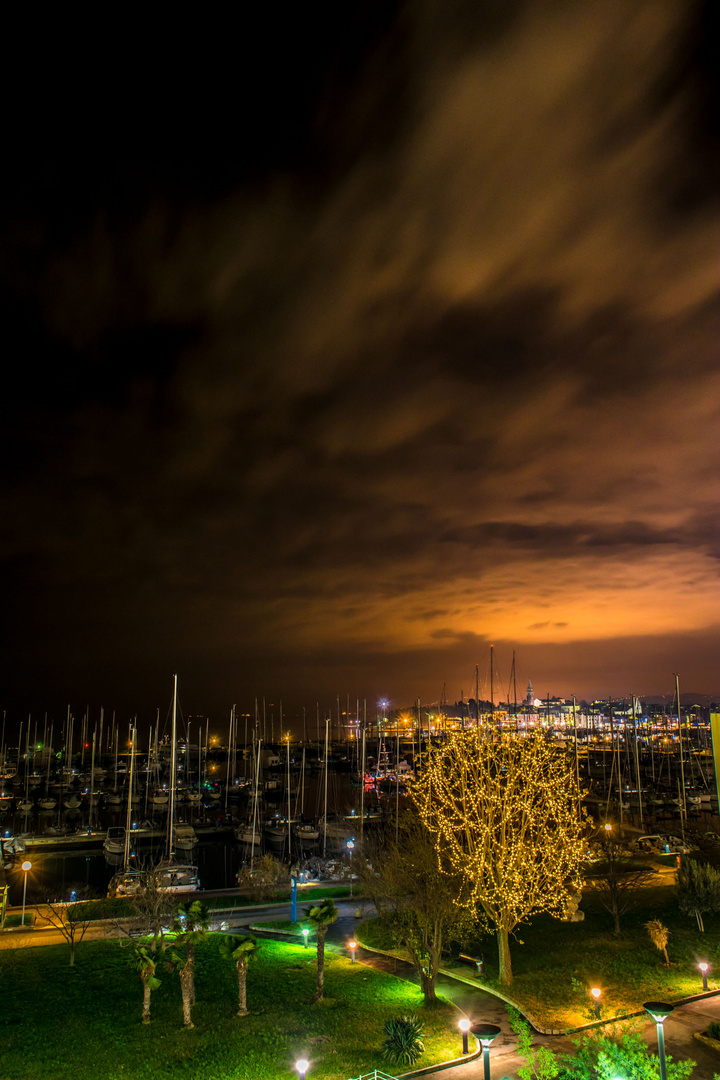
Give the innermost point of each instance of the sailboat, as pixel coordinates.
(174, 876)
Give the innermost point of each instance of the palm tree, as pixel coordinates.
(240, 949)
(191, 925)
(322, 915)
(145, 963)
(659, 936)
(182, 964)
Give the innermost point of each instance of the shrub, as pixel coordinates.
(713, 1029)
(403, 1044)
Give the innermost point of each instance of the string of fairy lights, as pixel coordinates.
(505, 813)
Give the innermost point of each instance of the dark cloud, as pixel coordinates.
(411, 348)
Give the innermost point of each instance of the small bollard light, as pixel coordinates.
(352, 946)
(305, 935)
(704, 969)
(464, 1026)
(302, 1067)
(596, 992)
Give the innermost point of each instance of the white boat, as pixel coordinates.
(160, 798)
(175, 877)
(71, 802)
(185, 837)
(307, 834)
(275, 833)
(247, 835)
(47, 804)
(114, 842)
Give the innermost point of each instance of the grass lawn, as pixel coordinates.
(62, 1023)
(556, 963)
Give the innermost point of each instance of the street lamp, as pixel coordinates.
(704, 968)
(26, 866)
(352, 946)
(486, 1033)
(302, 1067)
(305, 935)
(351, 847)
(659, 1010)
(596, 992)
(464, 1026)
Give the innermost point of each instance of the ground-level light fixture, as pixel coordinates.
(302, 1066)
(659, 1010)
(352, 946)
(305, 935)
(486, 1033)
(704, 969)
(596, 992)
(464, 1026)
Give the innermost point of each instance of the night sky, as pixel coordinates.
(340, 347)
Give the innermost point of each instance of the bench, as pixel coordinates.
(478, 961)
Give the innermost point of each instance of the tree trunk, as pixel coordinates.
(242, 995)
(322, 930)
(146, 997)
(72, 953)
(698, 916)
(616, 917)
(427, 985)
(191, 969)
(186, 990)
(667, 958)
(504, 962)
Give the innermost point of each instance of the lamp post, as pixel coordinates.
(596, 992)
(26, 866)
(486, 1033)
(305, 935)
(352, 946)
(464, 1026)
(704, 969)
(302, 1066)
(351, 847)
(659, 1010)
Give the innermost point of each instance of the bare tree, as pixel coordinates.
(71, 918)
(153, 907)
(618, 878)
(413, 896)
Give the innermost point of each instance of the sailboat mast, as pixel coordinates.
(171, 814)
(128, 820)
(683, 808)
(326, 791)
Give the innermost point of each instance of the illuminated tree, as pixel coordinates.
(504, 811)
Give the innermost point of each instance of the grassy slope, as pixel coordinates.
(629, 969)
(62, 1023)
